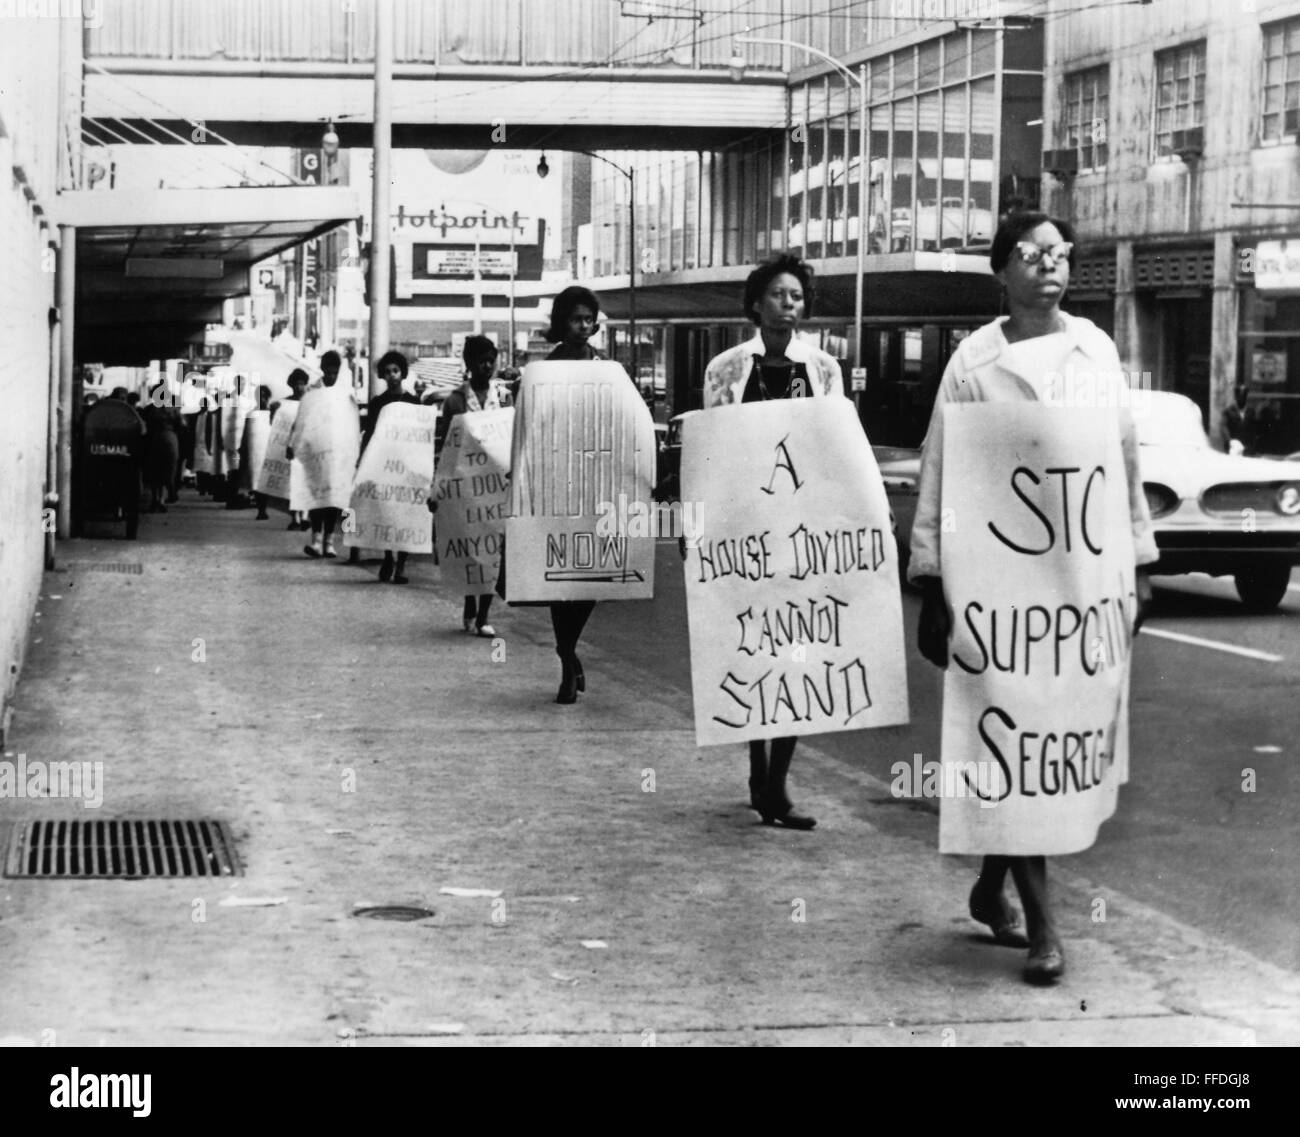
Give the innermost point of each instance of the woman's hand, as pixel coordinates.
(1145, 600)
(935, 625)
(431, 505)
(288, 453)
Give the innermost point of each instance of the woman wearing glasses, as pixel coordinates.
(1015, 359)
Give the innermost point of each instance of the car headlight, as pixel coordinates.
(1288, 499)
(1160, 499)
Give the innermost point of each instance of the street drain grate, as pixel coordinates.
(130, 568)
(393, 912)
(121, 850)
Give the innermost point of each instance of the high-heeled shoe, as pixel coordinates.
(778, 811)
(568, 692)
(578, 675)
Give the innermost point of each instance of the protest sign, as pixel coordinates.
(791, 574)
(1038, 569)
(472, 489)
(583, 444)
(273, 477)
(257, 433)
(326, 439)
(393, 483)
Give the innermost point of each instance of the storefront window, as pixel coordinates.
(1268, 363)
(900, 193)
(928, 206)
(957, 211)
(984, 112)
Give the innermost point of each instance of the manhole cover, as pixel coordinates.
(111, 850)
(393, 912)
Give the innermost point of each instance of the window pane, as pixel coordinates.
(928, 66)
(904, 71)
(956, 55)
(983, 52)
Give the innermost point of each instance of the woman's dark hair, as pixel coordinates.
(332, 357)
(767, 272)
(573, 297)
(476, 346)
(393, 357)
(1015, 225)
(298, 375)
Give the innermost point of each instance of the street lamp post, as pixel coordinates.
(738, 73)
(542, 170)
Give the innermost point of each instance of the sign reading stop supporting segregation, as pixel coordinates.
(1038, 569)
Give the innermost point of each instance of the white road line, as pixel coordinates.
(1215, 645)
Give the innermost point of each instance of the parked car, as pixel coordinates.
(668, 474)
(1213, 512)
(900, 470)
(1218, 513)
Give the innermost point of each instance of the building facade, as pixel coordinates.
(934, 133)
(32, 54)
(1173, 133)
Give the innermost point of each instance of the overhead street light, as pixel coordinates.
(543, 169)
(737, 68)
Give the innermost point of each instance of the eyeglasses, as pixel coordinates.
(1031, 254)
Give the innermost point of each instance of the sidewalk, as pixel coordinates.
(366, 751)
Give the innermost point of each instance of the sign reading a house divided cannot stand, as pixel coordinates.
(791, 575)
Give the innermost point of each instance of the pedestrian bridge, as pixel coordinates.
(560, 75)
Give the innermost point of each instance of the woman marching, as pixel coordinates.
(575, 318)
(480, 392)
(1019, 358)
(775, 364)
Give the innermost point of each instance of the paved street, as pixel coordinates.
(1186, 840)
(365, 751)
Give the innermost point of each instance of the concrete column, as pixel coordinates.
(1126, 315)
(1224, 318)
(67, 287)
(381, 189)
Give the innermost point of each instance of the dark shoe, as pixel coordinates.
(312, 550)
(304, 526)
(386, 570)
(782, 813)
(292, 524)
(1003, 922)
(568, 692)
(398, 578)
(1046, 965)
(263, 516)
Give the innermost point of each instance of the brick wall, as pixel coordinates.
(29, 110)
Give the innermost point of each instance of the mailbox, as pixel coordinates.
(111, 453)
